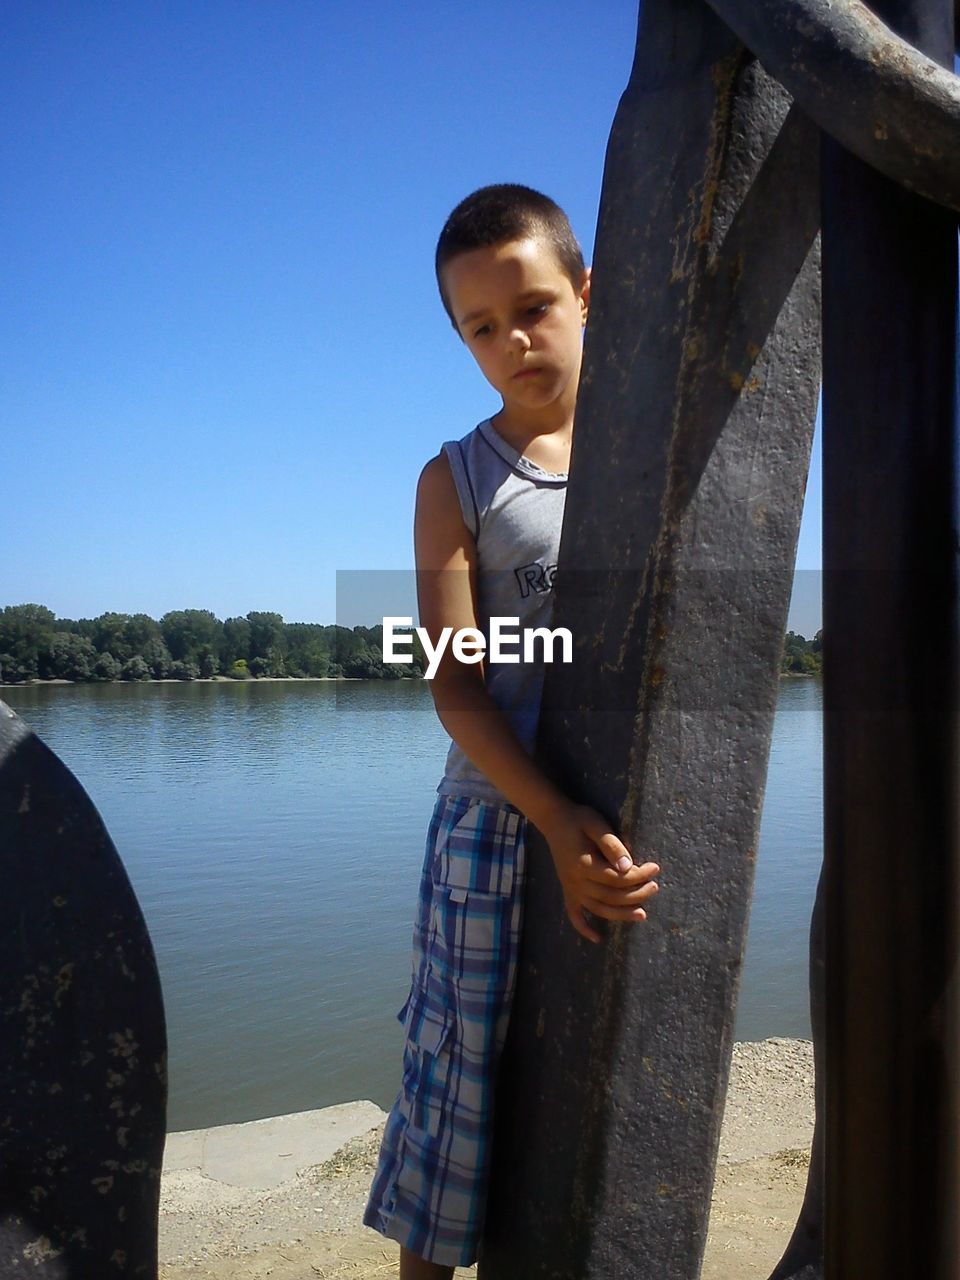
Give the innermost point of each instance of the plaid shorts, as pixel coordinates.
(430, 1189)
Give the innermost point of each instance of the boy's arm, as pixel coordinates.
(595, 869)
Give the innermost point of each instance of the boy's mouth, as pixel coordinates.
(524, 373)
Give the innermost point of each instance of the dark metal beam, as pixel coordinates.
(884, 99)
(803, 1256)
(83, 1083)
(692, 440)
(891, 760)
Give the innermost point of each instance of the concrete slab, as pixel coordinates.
(265, 1153)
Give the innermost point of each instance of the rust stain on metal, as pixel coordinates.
(64, 981)
(40, 1250)
(124, 1044)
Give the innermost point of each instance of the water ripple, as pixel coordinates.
(274, 834)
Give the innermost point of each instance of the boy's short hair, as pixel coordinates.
(507, 211)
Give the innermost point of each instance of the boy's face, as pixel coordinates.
(522, 319)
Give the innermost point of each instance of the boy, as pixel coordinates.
(486, 531)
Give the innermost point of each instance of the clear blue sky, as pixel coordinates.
(224, 360)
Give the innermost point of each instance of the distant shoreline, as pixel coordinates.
(32, 684)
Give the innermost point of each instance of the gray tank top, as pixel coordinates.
(514, 509)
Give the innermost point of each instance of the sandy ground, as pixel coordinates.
(309, 1225)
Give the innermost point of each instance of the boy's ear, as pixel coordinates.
(585, 295)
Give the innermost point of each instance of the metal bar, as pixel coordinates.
(691, 447)
(803, 1257)
(83, 1083)
(892, 1110)
(863, 84)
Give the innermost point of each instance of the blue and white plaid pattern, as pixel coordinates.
(430, 1189)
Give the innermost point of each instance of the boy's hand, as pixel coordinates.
(595, 869)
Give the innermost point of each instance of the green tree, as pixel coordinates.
(207, 662)
(15, 671)
(135, 669)
(85, 627)
(801, 656)
(186, 631)
(140, 631)
(348, 643)
(108, 635)
(266, 634)
(25, 630)
(315, 663)
(158, 658)
(67, 657)
(236, 642)
(106, 667)
(364, 666)
(308, 648)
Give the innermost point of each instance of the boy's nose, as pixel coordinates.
(518, 340)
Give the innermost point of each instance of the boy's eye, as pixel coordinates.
(478, 333)
(536, 311)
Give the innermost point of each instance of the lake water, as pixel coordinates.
(274, 833)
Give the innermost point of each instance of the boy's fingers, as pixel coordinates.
(618, 897)
(606, 912)
(575, 916)
(612, 848)
(603, 874)
(614, 851)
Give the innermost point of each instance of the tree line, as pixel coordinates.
(187, 644)
(193, 644)
(802, 657)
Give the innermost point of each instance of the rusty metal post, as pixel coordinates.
(692, 441)
(892, 1101)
